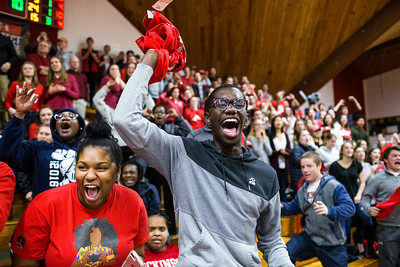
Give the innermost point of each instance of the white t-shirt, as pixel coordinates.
(311, 190)
(280, 144)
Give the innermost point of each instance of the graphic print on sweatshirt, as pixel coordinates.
(62, 167)
(96, 241)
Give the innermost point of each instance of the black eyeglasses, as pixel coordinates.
(72, 116)
(223, 103)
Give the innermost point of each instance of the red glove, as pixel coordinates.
(164, 38)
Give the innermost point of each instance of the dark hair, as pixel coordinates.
(333, 120)
(109, 237)
(358, 143)
(388, 150)
(341, 148)
(329, 136)
(347, 123)
(368, 156)
(160, 213)
(89, 38)
(273, 129)
(210, 98)
(159, 105)
(297, 134)
(140, 170)
(169, 93)
(99, 135)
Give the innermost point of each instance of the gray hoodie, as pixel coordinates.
(381, 186)
(221, 203)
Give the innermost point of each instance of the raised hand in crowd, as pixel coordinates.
(25, 99)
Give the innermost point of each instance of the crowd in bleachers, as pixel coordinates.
(279, 133)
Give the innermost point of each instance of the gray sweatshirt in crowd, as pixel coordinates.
(382, 186)
(221, 203)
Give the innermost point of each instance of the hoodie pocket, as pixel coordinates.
(208, 252)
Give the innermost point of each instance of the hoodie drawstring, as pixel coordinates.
(245, 172)
(223, 173)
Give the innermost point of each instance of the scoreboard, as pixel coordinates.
(47, 12)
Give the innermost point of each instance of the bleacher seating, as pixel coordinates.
(289, 226)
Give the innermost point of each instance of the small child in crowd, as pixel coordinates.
(157, 251)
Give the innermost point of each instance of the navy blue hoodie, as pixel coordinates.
(52, 164)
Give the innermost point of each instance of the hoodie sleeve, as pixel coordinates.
(268, 230)
(13, 151)
(368, 194)
(154, 145)
(99, 101)
(343, 207)
(292, 207)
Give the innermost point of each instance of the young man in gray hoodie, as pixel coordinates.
(382, 186)
(326, 206)
(223, 196)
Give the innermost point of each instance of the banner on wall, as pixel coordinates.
(17, 34)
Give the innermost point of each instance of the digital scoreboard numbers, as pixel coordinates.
(47, 12)
(15, 8)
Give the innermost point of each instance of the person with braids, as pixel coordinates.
(93, 222)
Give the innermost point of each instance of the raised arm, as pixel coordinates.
(12, 150)
(358, 106)
(153, 144)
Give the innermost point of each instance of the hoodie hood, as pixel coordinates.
(80, 133)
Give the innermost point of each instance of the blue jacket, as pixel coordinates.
(149, 194)
(324, 230)
(295, 155)
(52, 164)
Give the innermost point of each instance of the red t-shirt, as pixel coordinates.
(194, 117)
(7, 185)
(168, 257)
(12, 93)
(56, 227)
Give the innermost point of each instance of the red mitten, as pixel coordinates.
(164, 38)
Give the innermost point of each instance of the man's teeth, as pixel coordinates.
(91, 186)
(231, 120)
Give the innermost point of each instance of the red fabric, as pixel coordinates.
(39, 61)
(33, 130)
(81, 80)
(50, 222)
(63, 99)
(114, 94)
(7, 186)
(389, 144)
(386, 207)
(279, 107)
(169, 103)
(187, 81)
(12, 93)
(194, 117)
(164, 37)
(85, 62)
(169, 257)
